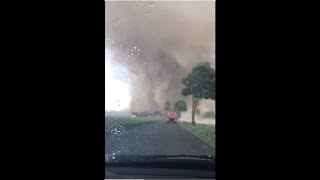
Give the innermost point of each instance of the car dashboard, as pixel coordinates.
(156, 173)
(163, 168)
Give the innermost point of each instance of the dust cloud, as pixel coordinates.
(159, 43)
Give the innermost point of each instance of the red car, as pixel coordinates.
(172, 117)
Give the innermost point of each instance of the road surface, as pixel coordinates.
(156, 138)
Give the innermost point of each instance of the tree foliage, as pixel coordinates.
(200, 83)
(180, 105)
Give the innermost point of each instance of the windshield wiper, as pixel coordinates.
(185, 156)
(154, 157)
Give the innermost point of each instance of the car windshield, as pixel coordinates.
(160, 78)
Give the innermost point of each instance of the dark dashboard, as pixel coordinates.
(160, 167)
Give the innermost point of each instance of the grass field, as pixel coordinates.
(119, 124)
(203, 131)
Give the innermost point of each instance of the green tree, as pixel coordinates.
(200, 83)
(180, 106)
(167, 106)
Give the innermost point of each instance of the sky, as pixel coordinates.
(170, 37)
(117, 85)
(157, 43)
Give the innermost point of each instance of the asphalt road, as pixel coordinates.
(156, 138)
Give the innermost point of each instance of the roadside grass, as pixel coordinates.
(203, 131)
(119, 124)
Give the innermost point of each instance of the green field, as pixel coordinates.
(203, 131)
(119, 124)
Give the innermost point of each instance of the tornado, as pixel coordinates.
(159, 43)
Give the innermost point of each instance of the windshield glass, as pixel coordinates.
(160, 78)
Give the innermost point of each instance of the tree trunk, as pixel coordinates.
(194, 107)
(193, 122)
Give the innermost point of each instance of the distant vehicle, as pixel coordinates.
(172, 117)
